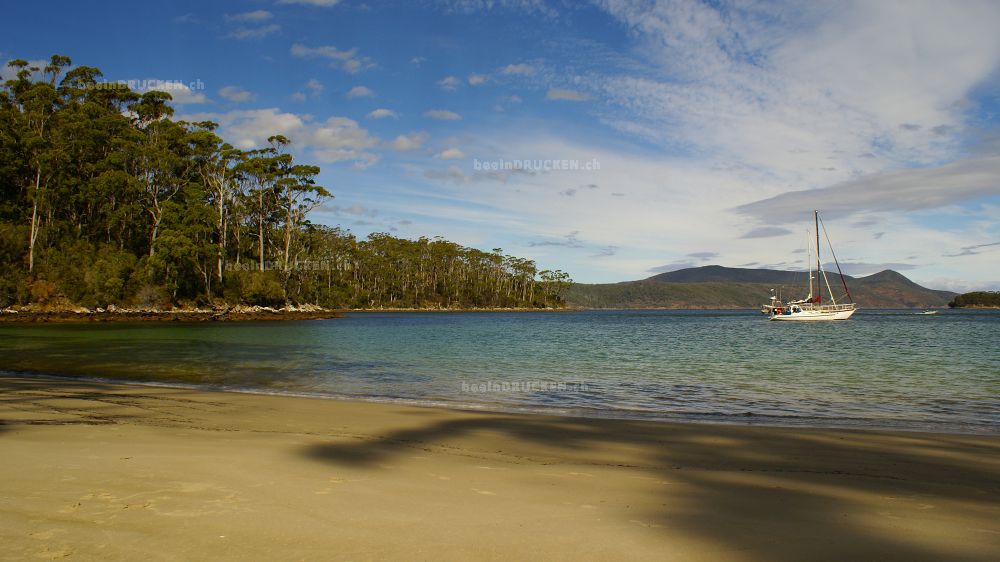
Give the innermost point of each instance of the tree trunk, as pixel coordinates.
(33, 235)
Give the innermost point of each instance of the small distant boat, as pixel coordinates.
(813, 308)
(927, 313)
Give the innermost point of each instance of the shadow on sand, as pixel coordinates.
(749, 485)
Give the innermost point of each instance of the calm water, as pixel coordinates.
(882, 369)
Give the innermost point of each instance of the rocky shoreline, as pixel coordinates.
(238, 313)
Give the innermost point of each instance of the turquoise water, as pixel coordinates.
(885, 369)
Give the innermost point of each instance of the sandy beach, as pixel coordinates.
(116, 472)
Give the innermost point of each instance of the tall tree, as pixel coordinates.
(38, 102)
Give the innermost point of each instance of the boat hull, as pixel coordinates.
(814, 315)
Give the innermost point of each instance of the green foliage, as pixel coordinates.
(263, 289)
(108, 277)
(974, 299)
(106, 200)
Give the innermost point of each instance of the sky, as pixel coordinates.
(612, 139)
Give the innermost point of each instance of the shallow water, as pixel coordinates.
(883, 369)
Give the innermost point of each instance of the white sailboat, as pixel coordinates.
(813, 308)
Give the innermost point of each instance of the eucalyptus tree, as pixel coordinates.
(37, 102)
(262, 169)
(295, 194)
(216, 162)
(161, 162)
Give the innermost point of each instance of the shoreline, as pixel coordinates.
(234, 314)
(110, 471)
(571, 413)
(256, 314)
(229, 313)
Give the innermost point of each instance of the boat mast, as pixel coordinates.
(819, 267)
(809, 264)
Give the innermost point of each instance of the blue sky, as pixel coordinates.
(702, 132)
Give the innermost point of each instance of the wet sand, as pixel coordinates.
(102, 471)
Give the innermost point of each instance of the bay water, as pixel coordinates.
(880, 369)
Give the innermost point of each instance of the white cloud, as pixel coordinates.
(382, 113)
(800, 90)
(449, 83)
(359, 92)
(477, 79)
(356, 209)
(236, 94)
(521, 7)
(255, 16)
(242, 33)
(898, 190)
(455, 175)
(334, 140)
(442, 115)
(319, 3)
(314, 86)
(348, 60)
(518, 69)
(450, 154)
(180, 93)
(8, 73)
(558, 94)
(409, 143)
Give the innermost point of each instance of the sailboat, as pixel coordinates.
(814, 308)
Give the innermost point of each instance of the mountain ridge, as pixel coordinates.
(716, 286)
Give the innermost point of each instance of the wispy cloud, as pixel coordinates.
(318, 3)
(335, 139)
(243, 33)
(899, 190)
(382, 113)
(558, 94)
(450, 154)
(255, 16)
(520, 69)
(410, 142)
(570, 240)
(442, 115)
(236, 94)
(766, 232)
(973, 250)
(314, 86)
(449, 83)
(348, 61)
(359, 92)
(456, 175)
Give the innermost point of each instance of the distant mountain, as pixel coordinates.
(715, 286)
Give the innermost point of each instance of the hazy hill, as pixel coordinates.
(715, 286)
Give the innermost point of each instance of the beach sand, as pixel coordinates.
(103, 471)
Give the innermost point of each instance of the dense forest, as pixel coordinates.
(977, 299)
(106, 200)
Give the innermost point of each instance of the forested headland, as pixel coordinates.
(105, 199)
(977, 299)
